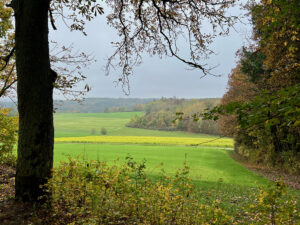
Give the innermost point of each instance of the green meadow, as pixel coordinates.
(206, 163)
(215, 173)
(82, 124)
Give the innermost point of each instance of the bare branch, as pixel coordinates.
(7, 58)
(158, 27)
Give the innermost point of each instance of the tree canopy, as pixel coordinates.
(261, 106)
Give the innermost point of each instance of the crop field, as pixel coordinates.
(203, 141)
(215, 173)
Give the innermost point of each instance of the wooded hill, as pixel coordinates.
(99, 105)
(161, 115)
(95, 105)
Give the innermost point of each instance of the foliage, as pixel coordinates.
(273, 206)
(208, 165)
(252, 65)
(64, 60)
(270, 119)
(95, 193)
(266, 109)
(7, 68)
(203, 141)
(276, 26)
(8, 136)
(103, 131)
(262, 102)
(161, 115)
(135, 108)
(115, 109)
(240, 89)
(5, 19)
(100, 105)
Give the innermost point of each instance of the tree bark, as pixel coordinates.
(35, 98)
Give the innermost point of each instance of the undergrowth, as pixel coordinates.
(97, 193)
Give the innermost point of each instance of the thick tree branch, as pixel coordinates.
(52, 21)
(7, 83)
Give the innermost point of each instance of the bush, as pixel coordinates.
(103, 131)
(273, 206)
(8, 137)
(8, 159)
(93, 131)
(95, 193)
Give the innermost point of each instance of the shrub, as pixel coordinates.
(9, 159)
(103, 131)
(93, 131)
(273, 206)
(8, 137)
(95, 193)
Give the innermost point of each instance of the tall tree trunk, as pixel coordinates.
(276, 144)
(35, 98)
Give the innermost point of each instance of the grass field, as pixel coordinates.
(215, 173)
(206, 163)
(81, 125)
(161, 149)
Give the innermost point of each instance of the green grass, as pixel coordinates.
(81, 124)
(206, 163)
(216, 175)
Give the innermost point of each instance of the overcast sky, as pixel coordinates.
(155, 77)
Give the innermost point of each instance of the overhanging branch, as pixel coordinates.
(7, 58)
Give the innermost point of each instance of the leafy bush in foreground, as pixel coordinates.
(96, 193)
(8, 137)
(272, 206)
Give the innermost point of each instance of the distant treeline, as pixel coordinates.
(100, 105)
(161, 115)
(93, 105)
(136, 108)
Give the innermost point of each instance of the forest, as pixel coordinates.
(161, 115)
(261, 107)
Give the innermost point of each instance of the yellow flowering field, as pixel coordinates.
(203, 141)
